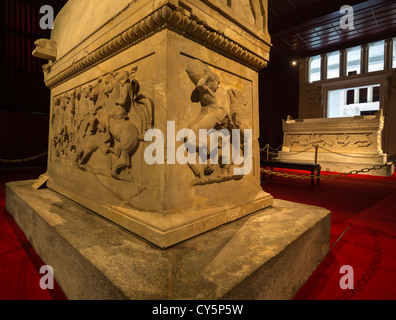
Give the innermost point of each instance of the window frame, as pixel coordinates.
(370, 45)
(345, 83)
(365, 56)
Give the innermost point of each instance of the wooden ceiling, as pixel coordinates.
(301, 28)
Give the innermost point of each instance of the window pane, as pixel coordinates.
(376, 56)
(376, 94)
(363, 95)
(351, 102)
(353, 60)
(314, 69)
(350, 97)
(333, 65)
(394, 53)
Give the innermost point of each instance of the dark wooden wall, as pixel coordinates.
(24, 102)
(279, 97)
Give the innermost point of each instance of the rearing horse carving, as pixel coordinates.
(110, 128)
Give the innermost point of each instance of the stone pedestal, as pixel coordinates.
(266, 255)
(138, 73)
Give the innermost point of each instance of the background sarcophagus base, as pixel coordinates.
(159, 67)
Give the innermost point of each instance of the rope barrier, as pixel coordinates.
(277, 149)
(351, 156)
(329, 176)
(24, 160)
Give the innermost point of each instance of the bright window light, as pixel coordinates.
(314, 68)
(353, 60)
(376, 56)
(350, 102)
(333, 65)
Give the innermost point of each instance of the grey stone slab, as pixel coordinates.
(265, 255)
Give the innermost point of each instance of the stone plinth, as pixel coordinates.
(344, 144)
(266, 255)
(155, 65)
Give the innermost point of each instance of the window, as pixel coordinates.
(350, 99)
(376, 56)
(353, 60)
(314, 68)
(363, 92)
(376, 94)
(352, 102)
(333, 65)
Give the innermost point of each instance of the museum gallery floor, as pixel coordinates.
(363, 235)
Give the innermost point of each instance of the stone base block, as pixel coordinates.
(265, 255)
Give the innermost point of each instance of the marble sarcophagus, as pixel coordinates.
(133, 82)
(343, 144)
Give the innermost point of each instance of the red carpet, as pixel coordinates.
(363, 235)
(19, 263)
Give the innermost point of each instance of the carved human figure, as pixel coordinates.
(238, 112)
(213, 115)
(83, 114)
(69, 122)
(99, 97)
(123, 131)
(57, 121)
(206, 84)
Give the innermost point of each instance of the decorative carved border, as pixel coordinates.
(174, 19)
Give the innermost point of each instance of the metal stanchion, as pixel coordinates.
(316, 152)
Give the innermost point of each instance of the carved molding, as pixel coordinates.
(172, 18)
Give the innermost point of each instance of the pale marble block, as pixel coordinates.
(125, 67)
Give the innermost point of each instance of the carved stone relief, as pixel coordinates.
(216, 116)
(107, 121)
(331, 140)
(97, 118)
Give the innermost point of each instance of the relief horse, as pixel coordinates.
(111, 130)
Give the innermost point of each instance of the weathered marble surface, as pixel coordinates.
(134, 68)
(266, 255)
(354, 135)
